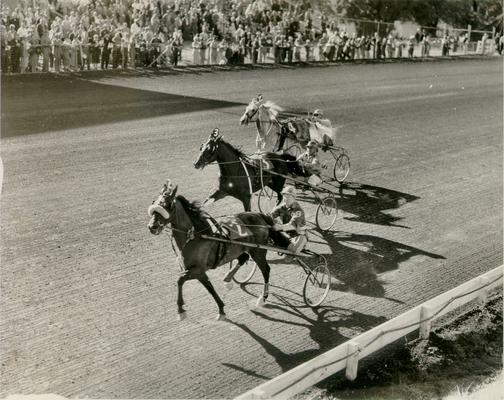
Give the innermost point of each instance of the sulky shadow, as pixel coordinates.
(327, 327)
(48, 102)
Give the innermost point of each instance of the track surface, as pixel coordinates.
(88, 294)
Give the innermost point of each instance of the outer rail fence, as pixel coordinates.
(26, 58)
(347, 355)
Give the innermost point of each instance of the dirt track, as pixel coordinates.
(88, 295)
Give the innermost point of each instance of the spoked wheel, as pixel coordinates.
(317, 283)
(245, 272)
(327, 213)
(341, 168)
(267, 200)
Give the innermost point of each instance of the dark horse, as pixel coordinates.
(241, 176)
(195, 254)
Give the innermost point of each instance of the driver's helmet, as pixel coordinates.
(318, 113)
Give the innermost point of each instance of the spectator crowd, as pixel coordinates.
(71, 35)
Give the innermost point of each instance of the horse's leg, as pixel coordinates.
(242, 259)
(277, 184)
(203, 278)
(217, 195)
(180, 298)
(259, 257)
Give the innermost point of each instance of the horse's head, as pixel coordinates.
(208, 150)
(161, 210)
(251, 110)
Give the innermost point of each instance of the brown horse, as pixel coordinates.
(241, 176)
(195, 254)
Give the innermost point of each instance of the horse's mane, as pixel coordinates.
(197, 216)
(273, 108)
(237, 151)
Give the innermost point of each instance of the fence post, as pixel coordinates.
(483, 295)
(352, 361)
(468, 37)
(425, 324)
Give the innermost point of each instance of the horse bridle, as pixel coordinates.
(249, 117)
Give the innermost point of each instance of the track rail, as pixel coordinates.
(347, 355)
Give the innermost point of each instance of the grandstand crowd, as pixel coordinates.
(71, 35)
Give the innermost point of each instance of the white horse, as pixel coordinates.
(269, 137)
(290, 136)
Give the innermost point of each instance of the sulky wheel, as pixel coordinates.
(317, 283)
(327, 213)
(245, 272)
(341, 168)
(267, 200)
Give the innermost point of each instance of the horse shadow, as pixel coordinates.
(357, 260)
(369, 203)
(365, 203)
(325, 325)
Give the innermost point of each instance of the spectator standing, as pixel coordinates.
(45, 44)
(399, 44)
(177, 43)
(358, 46)
(125, 45)
(484, 40)
(242, 49)
(106, 45)
(255, 45)
(196, 45)
(212, 49)
(84, 48)
(23, 34)
(445, 46)
(94, 50)
(411, 46)
(390, 44)
(427, 45)
(298, 46)
(14, 49)
(155, 52)
(322, 42)
(222, 52)
(308, 50)
(3, 47)
(330, 47)
(423, 47)
(116, 49)
(56, 50)
(73, 53)
(263, 47)
(368, 47)
(277, 49)
(497, 41)
(33, 49)
(204, 44)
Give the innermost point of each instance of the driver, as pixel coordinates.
(310, 164)
(289, 222)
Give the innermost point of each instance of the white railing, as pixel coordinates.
(347, 355)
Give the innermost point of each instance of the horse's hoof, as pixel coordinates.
(228, 285)
(260, 302)
(221, 317)
(181, 316)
